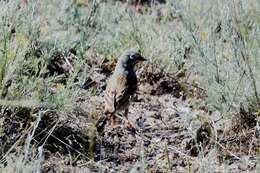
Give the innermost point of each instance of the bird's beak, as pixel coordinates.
(142, 59)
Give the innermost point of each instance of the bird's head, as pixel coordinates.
(130, 58)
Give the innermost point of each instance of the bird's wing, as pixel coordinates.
(116, 93)
(110, 97)
(122, 91)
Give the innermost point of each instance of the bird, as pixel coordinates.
(121, 86)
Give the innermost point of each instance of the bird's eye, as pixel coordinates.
(132, 57)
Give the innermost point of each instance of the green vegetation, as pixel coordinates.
(49, 50)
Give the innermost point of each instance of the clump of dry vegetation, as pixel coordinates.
(197, 107)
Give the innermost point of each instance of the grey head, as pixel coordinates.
(129, 59)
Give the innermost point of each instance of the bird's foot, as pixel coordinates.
(131, 127)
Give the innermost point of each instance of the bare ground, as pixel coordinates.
(172, 135)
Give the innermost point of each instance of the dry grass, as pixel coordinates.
(197, 108)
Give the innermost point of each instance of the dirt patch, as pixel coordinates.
(155, 81)
(169, 136)
(14, 121)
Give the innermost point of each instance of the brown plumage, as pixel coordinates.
(121, 86)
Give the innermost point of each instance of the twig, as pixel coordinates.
(15, 144)
(98, 164)
(69, 64)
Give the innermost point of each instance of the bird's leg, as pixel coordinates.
(129, 124)
(126, 113)
(113, 121)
